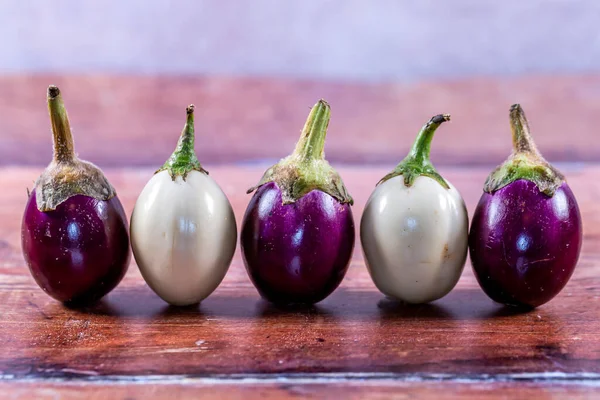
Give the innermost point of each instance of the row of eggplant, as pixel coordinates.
(298, 232)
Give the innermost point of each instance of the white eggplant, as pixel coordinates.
(414, 229)
(183, 230)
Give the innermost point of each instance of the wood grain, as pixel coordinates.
(354, 338)
(371, 390)
(134, 120)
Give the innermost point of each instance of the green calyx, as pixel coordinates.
(306, 168)
(184, 159)
(417, 162)
(525, 162)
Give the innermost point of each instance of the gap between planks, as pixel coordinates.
(581, 378)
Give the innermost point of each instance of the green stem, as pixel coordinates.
(61, 129)
(306, 169)
(184, 159)
(522, 140)
(525, 162)
(422, 147)
(312, 140)
(185, 145)
(417, 162)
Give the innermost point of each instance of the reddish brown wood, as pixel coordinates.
(354, 335)
(132, 120)
(372, 390)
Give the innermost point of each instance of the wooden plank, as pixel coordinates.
(133, 120)
(132, 333)
(294, 390)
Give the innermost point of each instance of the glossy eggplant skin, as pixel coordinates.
(78, 252)
(299, 252)
(414, 239)
(524, 245)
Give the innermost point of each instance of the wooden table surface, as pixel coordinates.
(354, 344)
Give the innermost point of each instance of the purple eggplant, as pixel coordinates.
(74, 235)
(298, 231)
(526, 233)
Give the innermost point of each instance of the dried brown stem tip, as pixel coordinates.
(53, 92)
(438, 119)
(190, 109)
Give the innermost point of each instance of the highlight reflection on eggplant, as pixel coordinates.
(298, 231)
(526, 233)
(74, 233)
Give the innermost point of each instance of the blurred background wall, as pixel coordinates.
(359, 40)
(128, 68)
